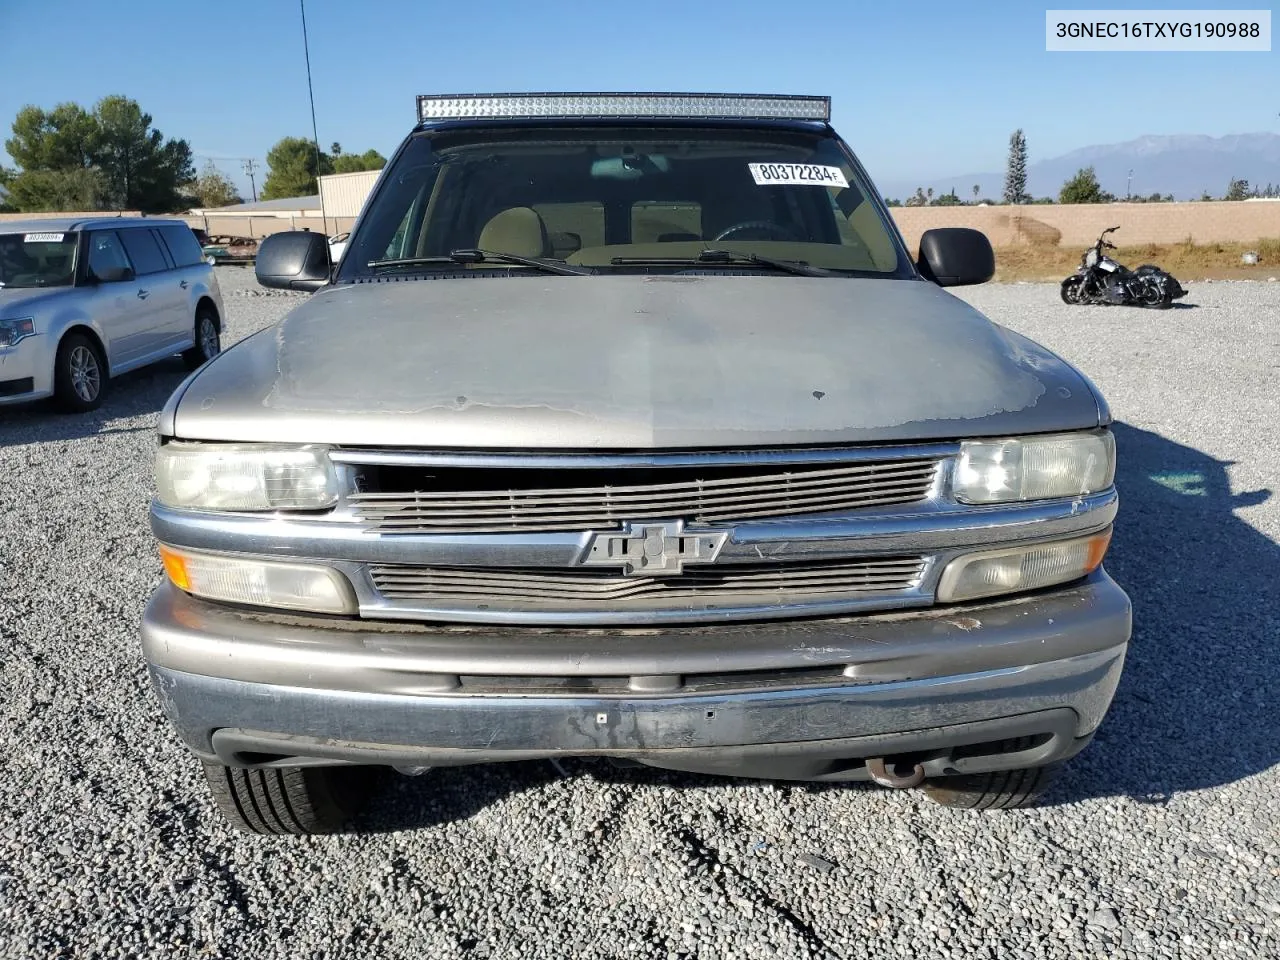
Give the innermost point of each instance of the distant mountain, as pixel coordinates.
(1185, 165)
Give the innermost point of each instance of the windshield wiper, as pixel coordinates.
(798, 267)
(471, 255)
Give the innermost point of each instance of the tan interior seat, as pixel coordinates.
(565, 243)
(518, 231)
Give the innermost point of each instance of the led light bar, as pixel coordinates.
(508, 106)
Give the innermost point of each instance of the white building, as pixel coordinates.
(343, 195)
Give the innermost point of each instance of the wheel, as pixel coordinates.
(1071, 291)
(208, 341)
(289, 800)
(79, 375)
(998, 790)
(1156, 298)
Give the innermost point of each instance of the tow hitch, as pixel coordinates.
(889, 774)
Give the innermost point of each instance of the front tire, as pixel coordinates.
(998, 790)
(79, 375)
(1002, 790)
(208, 342)
(1071, 290)
(289, 800)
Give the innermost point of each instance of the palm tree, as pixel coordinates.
(977, 189)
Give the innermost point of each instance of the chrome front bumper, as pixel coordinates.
(248, 689)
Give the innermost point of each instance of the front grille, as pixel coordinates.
(458, 500)
(758, 584)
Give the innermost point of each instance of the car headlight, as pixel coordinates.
(1034, 468)
(15, 331)
(1014, 569)
(211, 476)
(261, 583)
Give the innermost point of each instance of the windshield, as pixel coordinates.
(626, 199)
(37, 259)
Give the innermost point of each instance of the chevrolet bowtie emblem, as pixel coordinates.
(653, 549)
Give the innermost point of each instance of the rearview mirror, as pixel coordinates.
(956, 256)
(295, 260)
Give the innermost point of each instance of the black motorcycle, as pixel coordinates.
(1101, 280)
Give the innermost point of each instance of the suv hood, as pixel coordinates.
(624, 362)
(23, 301)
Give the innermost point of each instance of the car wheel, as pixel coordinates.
(998, 790)
(208, 340)
(79, 375)
(290, 800)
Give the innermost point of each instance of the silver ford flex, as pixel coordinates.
(82, 301)
(627, 427)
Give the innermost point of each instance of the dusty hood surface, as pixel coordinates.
(631, 362)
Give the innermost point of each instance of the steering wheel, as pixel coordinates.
(772, 231)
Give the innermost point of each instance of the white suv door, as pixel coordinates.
(190, 275)
(117, 303)
(169, 321)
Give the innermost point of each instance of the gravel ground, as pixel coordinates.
(1164, 840)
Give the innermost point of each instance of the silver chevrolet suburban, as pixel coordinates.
(627, 427)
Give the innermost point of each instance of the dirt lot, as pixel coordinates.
(1188, 262)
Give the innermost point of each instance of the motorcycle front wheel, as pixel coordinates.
(1072, 287)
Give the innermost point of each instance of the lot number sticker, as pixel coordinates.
(42, 238)
(797, 174)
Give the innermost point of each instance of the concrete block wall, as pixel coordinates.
(1070, 225)
(258, 227)
(1078, 225)
(8, 217)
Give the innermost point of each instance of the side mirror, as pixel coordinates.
(296, 260)
(956, 256)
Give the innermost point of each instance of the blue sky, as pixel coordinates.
(921, 89)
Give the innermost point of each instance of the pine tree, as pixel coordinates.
(1237, 190)
(1015, 178)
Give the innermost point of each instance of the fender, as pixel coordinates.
(206, 286)
(65, 317)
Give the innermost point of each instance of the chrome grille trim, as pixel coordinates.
(763, 585)
(693, 458)
(814, 490)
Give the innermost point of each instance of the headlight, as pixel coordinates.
(15, 331)
(200, 476)
(1034, 468)
(261, 583)
(1021, 568)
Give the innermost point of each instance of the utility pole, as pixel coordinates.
(315, 133)
(249, 168)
